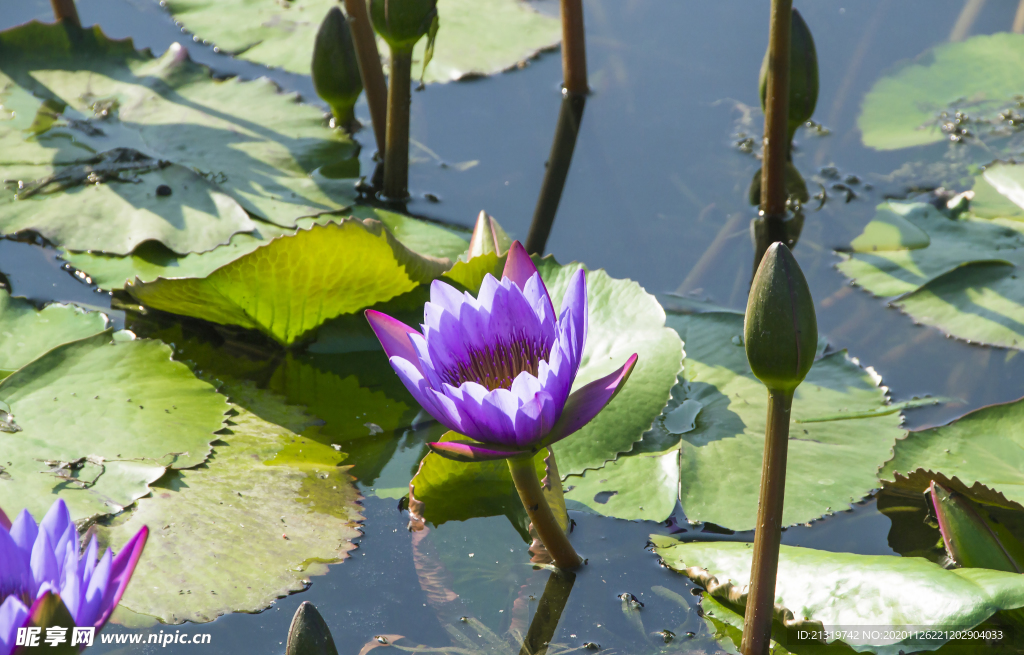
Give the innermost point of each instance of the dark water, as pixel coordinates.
(656, 193)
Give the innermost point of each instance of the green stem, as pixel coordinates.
(524, 475)
(757, 621)
(776, 114)
(345, 116)
(396, 157)
(574, 48)
(369, 68)
(65, 10)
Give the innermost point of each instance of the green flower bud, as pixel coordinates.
(803, 74)
(335, 67)
(309, 634)
(972, 538)
(780, 330)
(402, 22)
(487, 237)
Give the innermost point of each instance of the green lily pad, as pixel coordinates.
(840, 414)
(152, 260)
(295, 283)
(978, 76)
(95, 128)
(842, 591)
(27, 333)
(100, 420)
(999, 193)
(286, 499)
(984, 446)
(962, 281)
(477, 37)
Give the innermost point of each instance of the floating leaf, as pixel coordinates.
(973, 538)
(985, 446)
(152, 260)
(100, 420)
(26, 332)
(960, 278)
(477, 37)
(269, 509)
(999, 192)
(842, 591)
(979, 76)
(113, 148)
(295, 283)
(843, 430)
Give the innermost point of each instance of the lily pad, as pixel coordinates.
(286, 498)
(961, 279)
(27, 333)
(295, 283)
(101, 419)
(152, 260)
(845, 592)
(477, 37)
(111, 148)
(999, 193)
(843, 431)
(985, 446)
(978, 76)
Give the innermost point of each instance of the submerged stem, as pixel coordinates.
(396, 157)
(524, 475)
(757, 621)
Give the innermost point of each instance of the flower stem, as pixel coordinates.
(65, 10)
(524, 475)
(757, 621)
(369, 68)
(396, 158)
(574, 47)
(776, 114)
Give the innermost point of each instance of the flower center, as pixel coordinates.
(495, 367)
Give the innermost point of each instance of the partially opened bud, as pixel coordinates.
(402, 22)
(803, 74)
(335, 67)
(487, 237)
(780, 329)
(972, 538)
(309, 634)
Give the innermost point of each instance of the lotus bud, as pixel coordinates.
(487, 237)
(803, 74)
(972, 538)
(402, 22)
(780, 329)
(335, 67)
(309, 634)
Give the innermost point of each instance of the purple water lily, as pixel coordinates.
(38, 562)
(498, 368)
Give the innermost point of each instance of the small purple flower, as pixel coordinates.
(38, 561)
(499, 368)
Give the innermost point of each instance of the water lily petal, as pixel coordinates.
(393, 335)
(60, 530)
(412, 377)
(585, 403)
(465, 451)
(89, 561)
(44, 564)
(5, 522)
(449, 298)
(574, 319)
(13, 615)
(534, 419)
(537, 295)
(15, 577)
(24, 531)
(92, 600)
(121, 570)
(518, 266)
(71, 580)
(493, 416)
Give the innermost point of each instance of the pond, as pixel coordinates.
(657, 193)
